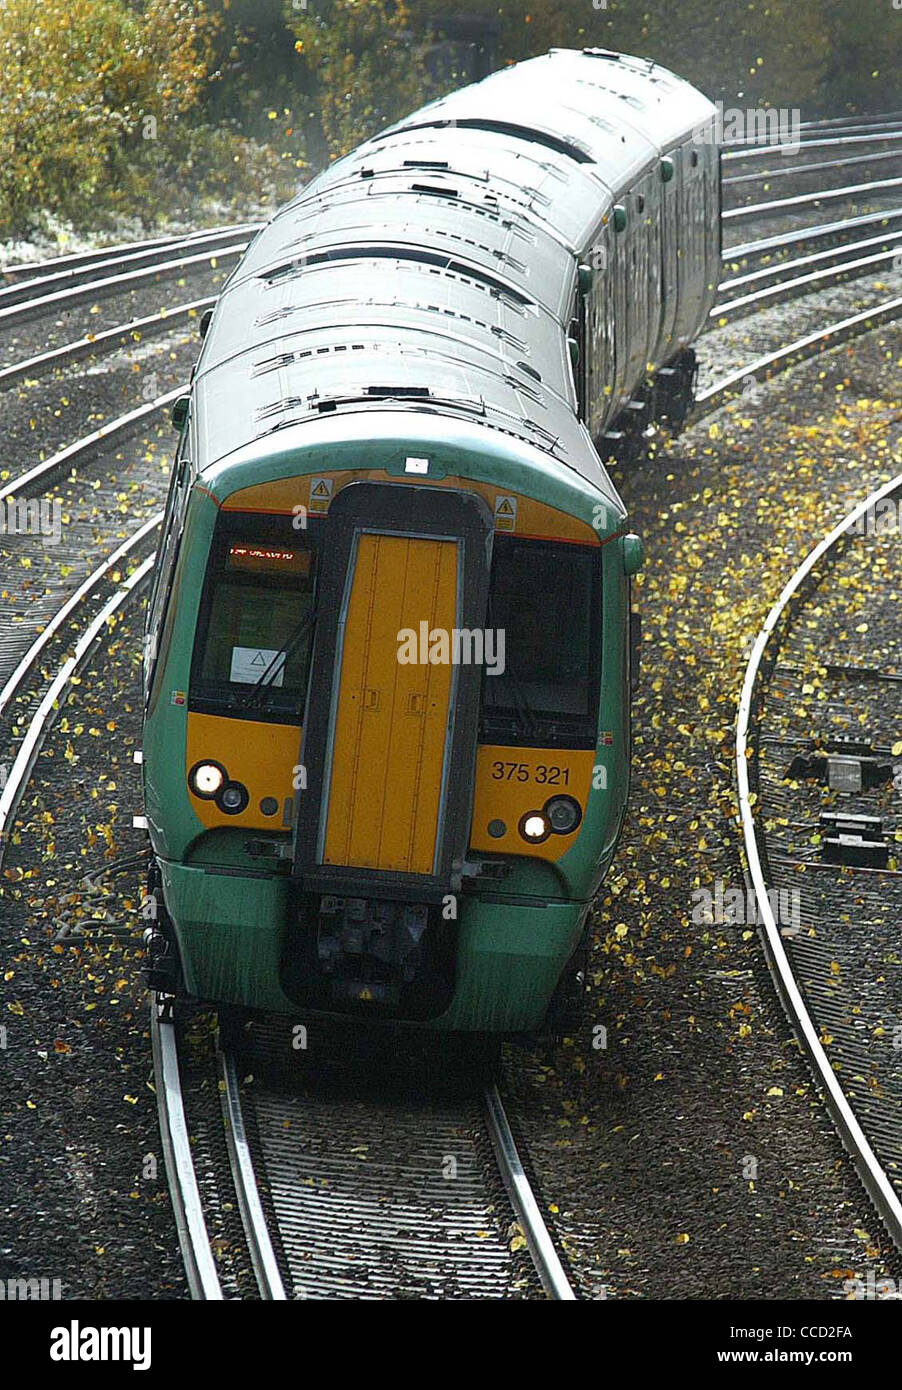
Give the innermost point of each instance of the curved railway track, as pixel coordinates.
(831, 960)
(27, 306)
(50, 694)
(785, 277)
(89, 261)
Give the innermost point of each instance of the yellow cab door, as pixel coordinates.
(391, 726)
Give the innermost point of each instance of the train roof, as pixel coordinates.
(334, 368)
(382, 290)
(463, 224)
(610, 112)
(435, 267)
(591, 99)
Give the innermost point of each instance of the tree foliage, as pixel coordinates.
(84, 81)
(361, 60)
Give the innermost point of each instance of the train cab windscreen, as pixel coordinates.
(255, 629)
(546, 599)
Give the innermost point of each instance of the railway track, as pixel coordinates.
(782, 274)
(27, 305)
(350, 1191)
(768, 162)
(41, 280)
(819, 716)
(819, 135)
(29, 706)
(780, 187)
(768, 364)
(161, 248)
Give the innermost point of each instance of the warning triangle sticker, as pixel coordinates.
(320, 494)
(505, 513)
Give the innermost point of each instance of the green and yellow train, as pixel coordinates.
(386, 744)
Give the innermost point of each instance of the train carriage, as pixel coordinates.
(386, 750)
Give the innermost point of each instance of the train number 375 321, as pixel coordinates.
(522, 772)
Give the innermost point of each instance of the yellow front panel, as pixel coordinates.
(528, 518)
(513, 781)
(391, 718)
(262, 756)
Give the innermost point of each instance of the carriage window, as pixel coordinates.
(546, 597)
(255, 629)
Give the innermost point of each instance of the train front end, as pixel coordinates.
(387, 738)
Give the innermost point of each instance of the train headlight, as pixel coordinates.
(207, 779)
(233, 798)
(564, 814)
(535, 827)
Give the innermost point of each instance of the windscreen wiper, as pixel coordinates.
(256, 696)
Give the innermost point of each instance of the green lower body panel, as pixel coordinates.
(231, 929)
(509, 960)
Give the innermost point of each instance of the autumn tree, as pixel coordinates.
(83, 82)
(361, 63)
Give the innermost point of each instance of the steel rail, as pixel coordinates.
(730, 153)
(789, 356)
(187, 1207)
(40, 265)
(828, 275)
(25, 289)
(541, 1247)
(256, 1229)
(836, 134)
(48, 707)
(28, 269)
(114, 284)
(194, 1241)
(830, 195)
(88, 442)
(121, 553)
(764, 245)
(106, 341)
(795, 169)
(845, 248)
(875, 1179)
(825, 122)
